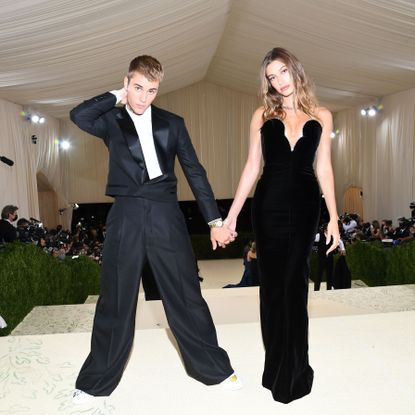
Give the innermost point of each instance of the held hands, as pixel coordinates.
(230, 223)
(332, 233)
(222, 236)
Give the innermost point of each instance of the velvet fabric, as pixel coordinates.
(285, 214)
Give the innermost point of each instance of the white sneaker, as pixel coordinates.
(232, 383)
(79, 397)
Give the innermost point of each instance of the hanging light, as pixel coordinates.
(372, 112)
(35, 118)
(65, 145)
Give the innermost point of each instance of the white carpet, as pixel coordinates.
(231, 306)
(363, 365)
(363, 358)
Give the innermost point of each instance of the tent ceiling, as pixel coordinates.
(55, 53)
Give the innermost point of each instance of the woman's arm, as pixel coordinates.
(251, 170)
(325, 177)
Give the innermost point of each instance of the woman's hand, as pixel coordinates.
(230, 223)
(332, 233)
(221, 236)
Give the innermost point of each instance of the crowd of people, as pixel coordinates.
(86, 241)
(354, 228)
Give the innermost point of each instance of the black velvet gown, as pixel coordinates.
(286, 210)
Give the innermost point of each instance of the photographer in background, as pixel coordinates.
(30, 231)
(376, 233)
(23, 230)
(8, 232)
(325, 262)
(411, 236)
(349, 225)
(404, 232)
(386, 229)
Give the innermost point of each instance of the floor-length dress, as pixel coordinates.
(285, 215)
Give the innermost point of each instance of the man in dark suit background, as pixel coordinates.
(325, 263)
(8, 232)
(145, 224)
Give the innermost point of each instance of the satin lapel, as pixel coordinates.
(161, 137)
(131, 137)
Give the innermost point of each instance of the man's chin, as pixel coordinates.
(138, 110)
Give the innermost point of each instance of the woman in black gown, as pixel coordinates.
(289, 131)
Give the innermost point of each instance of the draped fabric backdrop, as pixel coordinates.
(218, 121)
(376, 154)
(18, 183)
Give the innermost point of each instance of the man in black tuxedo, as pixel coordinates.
(8, 232)
(145, 224)
(325, 262)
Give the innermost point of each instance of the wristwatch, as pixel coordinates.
(217, 223)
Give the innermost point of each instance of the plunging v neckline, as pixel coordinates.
(292, 148)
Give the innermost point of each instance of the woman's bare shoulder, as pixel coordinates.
(323, 113)
(257, 117)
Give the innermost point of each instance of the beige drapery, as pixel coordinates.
(18, 184)
(55, 53)
(378, 154)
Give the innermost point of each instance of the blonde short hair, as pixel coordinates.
(148, 66)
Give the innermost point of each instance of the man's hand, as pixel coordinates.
(121, 95)
(221, 236)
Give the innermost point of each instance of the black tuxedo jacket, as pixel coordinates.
(8, 232)
(127, 174)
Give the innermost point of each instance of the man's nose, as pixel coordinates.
(142, 97)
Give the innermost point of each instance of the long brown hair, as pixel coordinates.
(304, 98)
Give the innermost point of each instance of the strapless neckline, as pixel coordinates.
(292, 148)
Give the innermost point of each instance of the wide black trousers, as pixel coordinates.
(140, 229)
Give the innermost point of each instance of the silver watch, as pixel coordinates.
(216, 223)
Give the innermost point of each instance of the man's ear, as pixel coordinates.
(126, 81)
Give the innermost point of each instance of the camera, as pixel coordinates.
(403, 229)
(31, 232)
(345, 218)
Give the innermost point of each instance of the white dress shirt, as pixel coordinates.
(144, 128)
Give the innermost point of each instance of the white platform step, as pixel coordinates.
(364, 365)
(228, 306)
